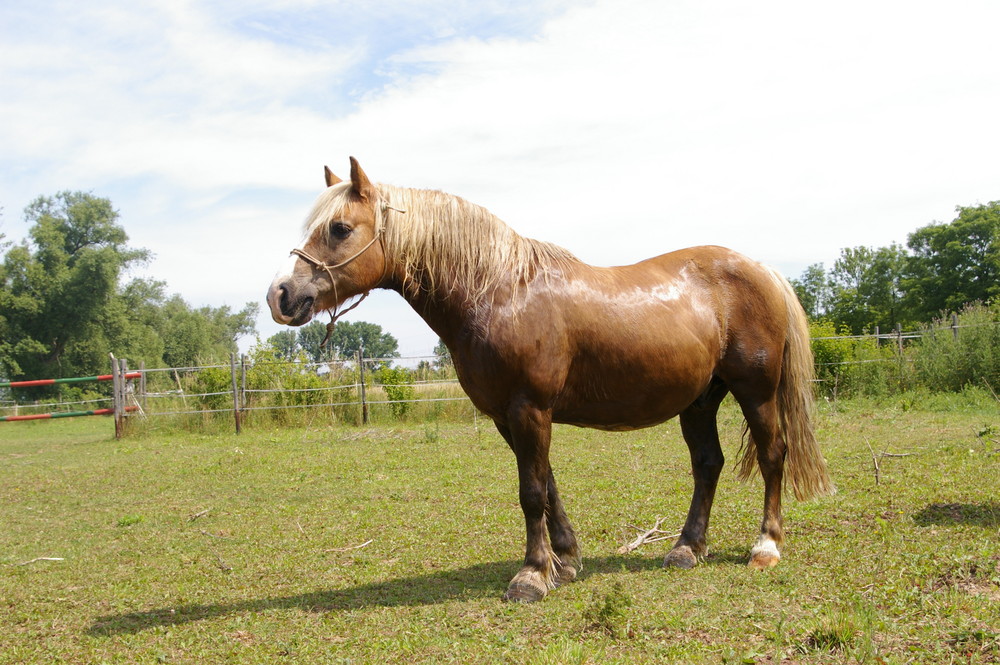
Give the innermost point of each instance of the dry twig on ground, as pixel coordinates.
(647, 536)
(41, 558)
(352, 547)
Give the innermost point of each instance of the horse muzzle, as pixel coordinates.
(290, 306)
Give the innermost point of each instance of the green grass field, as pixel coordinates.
(179, 547)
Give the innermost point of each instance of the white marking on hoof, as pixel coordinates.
(764, 553)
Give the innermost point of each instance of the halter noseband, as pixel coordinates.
(329, 268)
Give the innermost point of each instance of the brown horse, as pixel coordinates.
(538, 337)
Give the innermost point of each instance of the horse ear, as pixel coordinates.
(360, 184)
(331, 179)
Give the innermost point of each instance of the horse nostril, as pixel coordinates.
(283, 304)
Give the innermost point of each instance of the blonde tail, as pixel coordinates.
(805, 467)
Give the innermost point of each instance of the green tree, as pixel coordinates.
(443, 360)
(865, 288)
(7, 362)
(58, 288)
(284, 344)
(814, 291)
(64, 304)
(349, 336)
(954, 264)
(310, 336)
(192, 336)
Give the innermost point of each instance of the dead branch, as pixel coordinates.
(352, 547)
(41, 558)
(876, 458)
(874, 462)
(647, 536)
(212, 535)
(995, 396)
(222, 564)
(192, 518)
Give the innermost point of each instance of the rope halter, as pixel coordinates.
(329, 268)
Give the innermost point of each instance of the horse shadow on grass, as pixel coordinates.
(479, 581)
(986, 514)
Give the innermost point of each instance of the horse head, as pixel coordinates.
(341, 255)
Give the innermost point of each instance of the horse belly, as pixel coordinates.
(615, 401)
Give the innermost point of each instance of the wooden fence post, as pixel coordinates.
(899, 353)
(243, 382)
(361, 381)
(116, 381)
(123, 382)
(236, 393)
(954, 325)
(142, 385)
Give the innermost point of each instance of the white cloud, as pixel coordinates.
(619, 129)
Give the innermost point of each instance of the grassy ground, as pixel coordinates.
(195, 548)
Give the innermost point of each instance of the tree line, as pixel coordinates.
(66, 300)
(942, 268)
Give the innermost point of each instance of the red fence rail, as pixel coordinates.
(119, 374)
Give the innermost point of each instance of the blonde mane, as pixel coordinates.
(443, 242)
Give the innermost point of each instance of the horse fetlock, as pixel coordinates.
(764, 553)
(567, 569)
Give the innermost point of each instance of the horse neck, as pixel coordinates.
(450, 259)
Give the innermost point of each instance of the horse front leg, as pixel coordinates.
(701, 433)
(562, 536)
(528, 431)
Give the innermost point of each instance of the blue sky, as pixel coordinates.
(619, 129)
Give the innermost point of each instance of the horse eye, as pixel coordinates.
(339, 230)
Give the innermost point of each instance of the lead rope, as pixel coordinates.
(330, 268)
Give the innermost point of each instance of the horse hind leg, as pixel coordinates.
(700, 429)
(767, 443)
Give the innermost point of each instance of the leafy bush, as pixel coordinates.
(848, 365)
(946, 359)
(398, 385)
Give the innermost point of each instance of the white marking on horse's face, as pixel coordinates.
(284, 275)
(286, 270)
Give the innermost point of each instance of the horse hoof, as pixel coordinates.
(680, 557)
(763, 561)
(521, 593)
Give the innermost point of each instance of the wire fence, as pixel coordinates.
(262, 389)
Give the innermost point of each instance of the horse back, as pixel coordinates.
(630, 346)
